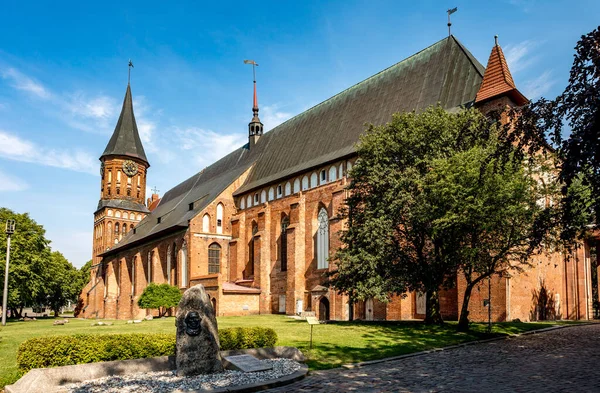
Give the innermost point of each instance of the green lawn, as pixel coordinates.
(333, 344)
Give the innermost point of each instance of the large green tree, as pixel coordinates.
(420, 207)
(63, 283)
(29, 254)
(491, 209)
(37, 275)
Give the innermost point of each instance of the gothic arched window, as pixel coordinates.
(332, 174)
(149, 267)
(323, 239)
(305, 185)
(183, 265)
(206, 223)
(271, 194)
(296, 186)
(249, 271)
(314, 180)
(133, 263)
(220, 218)
(285, 222)
(169, 265)
(214, 258)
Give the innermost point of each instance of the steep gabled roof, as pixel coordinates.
(497, 80)
(125, 140)
(444, 73)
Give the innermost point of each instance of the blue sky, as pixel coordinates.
(63, 73)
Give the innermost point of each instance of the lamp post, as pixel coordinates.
(10, 229)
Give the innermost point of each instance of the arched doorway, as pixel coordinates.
(324, 309)
(369, 309)
(214, 304)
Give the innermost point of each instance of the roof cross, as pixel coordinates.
(129, 67)
(155, 190)
(450, 12)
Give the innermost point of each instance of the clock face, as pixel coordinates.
(130, 168)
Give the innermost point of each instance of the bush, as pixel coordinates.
(54, 351)
(161, 297)
(247, 337)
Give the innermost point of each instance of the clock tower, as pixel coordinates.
(123, 168)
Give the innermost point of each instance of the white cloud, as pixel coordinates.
(524, 5)
(25, 83)
(539, 86)
(101, 107)
(14, 148)
(271, 116)
(11, 183)
(208, 145)
(90, 113)
(519, 56)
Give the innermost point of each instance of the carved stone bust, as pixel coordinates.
(192, 323)
(197, 349)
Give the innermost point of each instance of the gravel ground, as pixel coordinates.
(167, 381)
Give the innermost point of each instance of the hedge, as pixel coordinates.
(54, 351)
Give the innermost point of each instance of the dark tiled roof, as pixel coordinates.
(199, 190)
(122, 204)
(498, 80)
(125, 140)
(444, 73)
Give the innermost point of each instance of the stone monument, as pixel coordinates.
(197, 350)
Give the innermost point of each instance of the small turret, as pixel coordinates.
(255, 127)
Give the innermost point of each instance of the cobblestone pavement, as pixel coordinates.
(562, 360)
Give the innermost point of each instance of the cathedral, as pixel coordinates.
(258, 226)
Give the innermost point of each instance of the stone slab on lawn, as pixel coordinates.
(247, 363)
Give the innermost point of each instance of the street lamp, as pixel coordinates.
(10, 229)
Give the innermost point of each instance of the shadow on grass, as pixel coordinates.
(377, 341)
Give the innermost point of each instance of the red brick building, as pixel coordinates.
(256, 228)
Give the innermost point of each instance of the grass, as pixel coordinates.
(333, 344)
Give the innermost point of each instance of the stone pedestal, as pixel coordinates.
(197, 350)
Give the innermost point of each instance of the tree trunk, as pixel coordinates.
(463, 321)
(56, 312)
(432, 308)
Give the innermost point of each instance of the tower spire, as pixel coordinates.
(255, 127)
(125, 140)
(497, 80)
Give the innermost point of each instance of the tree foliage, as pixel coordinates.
(63, 282)
(571, 124)
(491, 212)
(37, 275)
(434, 194)
(160, 296)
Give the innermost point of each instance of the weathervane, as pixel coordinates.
(450, 12)
(254, 64)
(129, 67)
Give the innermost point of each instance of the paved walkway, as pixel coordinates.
(562, 360)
